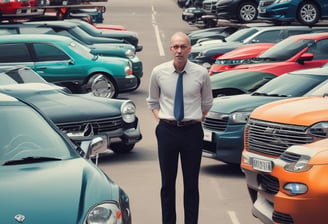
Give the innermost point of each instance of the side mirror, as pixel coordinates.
(96, 146)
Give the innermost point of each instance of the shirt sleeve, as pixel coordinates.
(207, 96)
(154, 92)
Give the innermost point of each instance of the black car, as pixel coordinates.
(240, 10)
(79, 116)
(129, 36)
(212, 33)
(206, 52)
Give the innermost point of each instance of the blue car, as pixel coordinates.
(306, 12)
(45, 178)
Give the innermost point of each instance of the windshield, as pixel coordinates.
(24, 75)
(81, 49)
(285, 49)
(240, 35)
(291, 85)
(24, 133)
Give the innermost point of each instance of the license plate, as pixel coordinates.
(261, 10)
(262, 165)
(207, 136)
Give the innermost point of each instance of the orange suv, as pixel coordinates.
(286, 179)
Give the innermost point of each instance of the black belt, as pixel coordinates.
(180, 123)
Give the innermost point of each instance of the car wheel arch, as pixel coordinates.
(315, 6)
(241, 5)
(113, 88)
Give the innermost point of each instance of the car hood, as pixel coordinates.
(247, 51)
(299, 111)
(62, 107)
(238, 103)
(53, 192)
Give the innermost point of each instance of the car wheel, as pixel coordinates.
(308, 13)
(209, 23)
(120, 147)
(247, 12)
(102, 86)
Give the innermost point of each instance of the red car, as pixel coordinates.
(18, 8)
(238, 56)
(291, 54)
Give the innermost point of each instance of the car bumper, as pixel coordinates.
(301, 209)
(127, 84)
(225, 146)
(128, 135)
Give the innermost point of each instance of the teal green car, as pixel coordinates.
(61, 60)
(45, 178)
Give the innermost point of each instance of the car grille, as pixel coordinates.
(282, 218)
(268, 183)
(216, 121)
(266, 3)
(290, 157)
(210, 7)
(273, 138)
(98, 125)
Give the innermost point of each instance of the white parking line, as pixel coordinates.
(233, 217)
(158, 38)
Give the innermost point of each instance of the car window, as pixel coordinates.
(16, 52)
(272, 36)
(47, 52)
(6, 31)
(319, 49)
(26, 134)
(240, 35)
(286, 48)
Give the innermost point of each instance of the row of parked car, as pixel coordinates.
(210, 11)
(270, 114)
(59, 82)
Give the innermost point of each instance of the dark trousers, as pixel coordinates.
(185, 142)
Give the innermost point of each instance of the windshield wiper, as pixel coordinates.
(30, 159)
(264, 59)
(272, 94)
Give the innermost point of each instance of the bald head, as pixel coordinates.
(180, 36)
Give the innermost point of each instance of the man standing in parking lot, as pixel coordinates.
(180, 96)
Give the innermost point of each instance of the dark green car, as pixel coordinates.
(63, 61)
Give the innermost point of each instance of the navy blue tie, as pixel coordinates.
(178, 101)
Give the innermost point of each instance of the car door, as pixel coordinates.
(320, 52)
(15, 54)
(54, 65)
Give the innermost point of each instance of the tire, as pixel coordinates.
(102, 86)
(120, 147)
(247, 12)
(210, 23)
(308, 13)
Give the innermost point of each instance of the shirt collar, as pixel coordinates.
(186, 68)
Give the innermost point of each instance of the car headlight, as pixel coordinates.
(239, 117)
(128, 111)
(130, 53)
(128, 68)
(300, 166)
(105, 213)
(319, 129)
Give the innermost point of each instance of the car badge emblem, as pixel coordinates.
(20, 218)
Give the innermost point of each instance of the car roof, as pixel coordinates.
(22, 38)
